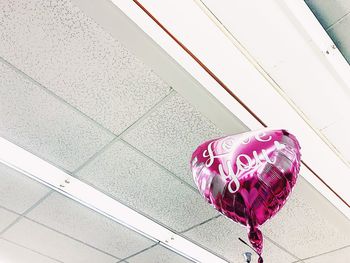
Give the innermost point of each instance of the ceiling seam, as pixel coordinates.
(48, 91)
(9, 210)
(21, 216)
(155, 106)
(95, 122)
(71, 237)
(328, 252)
(159, 165)
(94, 156)
(283, 248)
(32, 250)
(336, 22)
(139, 252)
(202, 223)
(118, 137)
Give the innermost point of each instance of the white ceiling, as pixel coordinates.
(74, 96)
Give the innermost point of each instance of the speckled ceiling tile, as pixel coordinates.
(139, 183)
(308, 225)
(11, 252)
(158, 254)
(170, 134)
(6, 218)
(17, 191)
(341, 37)
(328, 11)
(69, 217)
(53, 244)
(57, 45)
(44, 125)
(340, 255)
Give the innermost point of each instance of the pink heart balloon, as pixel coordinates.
(248, 177)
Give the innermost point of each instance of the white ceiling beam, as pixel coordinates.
(45, 173)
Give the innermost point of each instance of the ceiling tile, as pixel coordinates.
(308, 225)
(12, 253)
(17, 191)
(141, 184)
(57, 45)
(221, 236)
(329, 11)
(158, 254)
(341, 37)
(43, 125)
(171, 134)
(48, 242)
(340, 255)
(338, 134)
(6, 218)
(69, 217)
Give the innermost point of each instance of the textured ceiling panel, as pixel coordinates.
(57, 45)
(17, 192)
(158, 254)
(138, 182)
(307, 228)
(329, 11)
(340, 33)
(170, 134)
(12, 253)
(42, 124)
(50, 243)
(341, 255)
(6, 218)
(221, 236)
(73, 219)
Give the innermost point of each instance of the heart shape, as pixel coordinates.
(248, 177)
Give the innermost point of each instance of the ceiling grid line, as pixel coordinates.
(71, 237)
(119, 137)
(281, 247)
(26, 212)
(34, 251)
(325, 253)
(202, 223)
(337, 22)
(48, 91)
(139, 252)
(159, 165)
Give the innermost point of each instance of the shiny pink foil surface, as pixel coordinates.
(248, 177)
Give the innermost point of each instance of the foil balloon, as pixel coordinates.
(248, 177)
